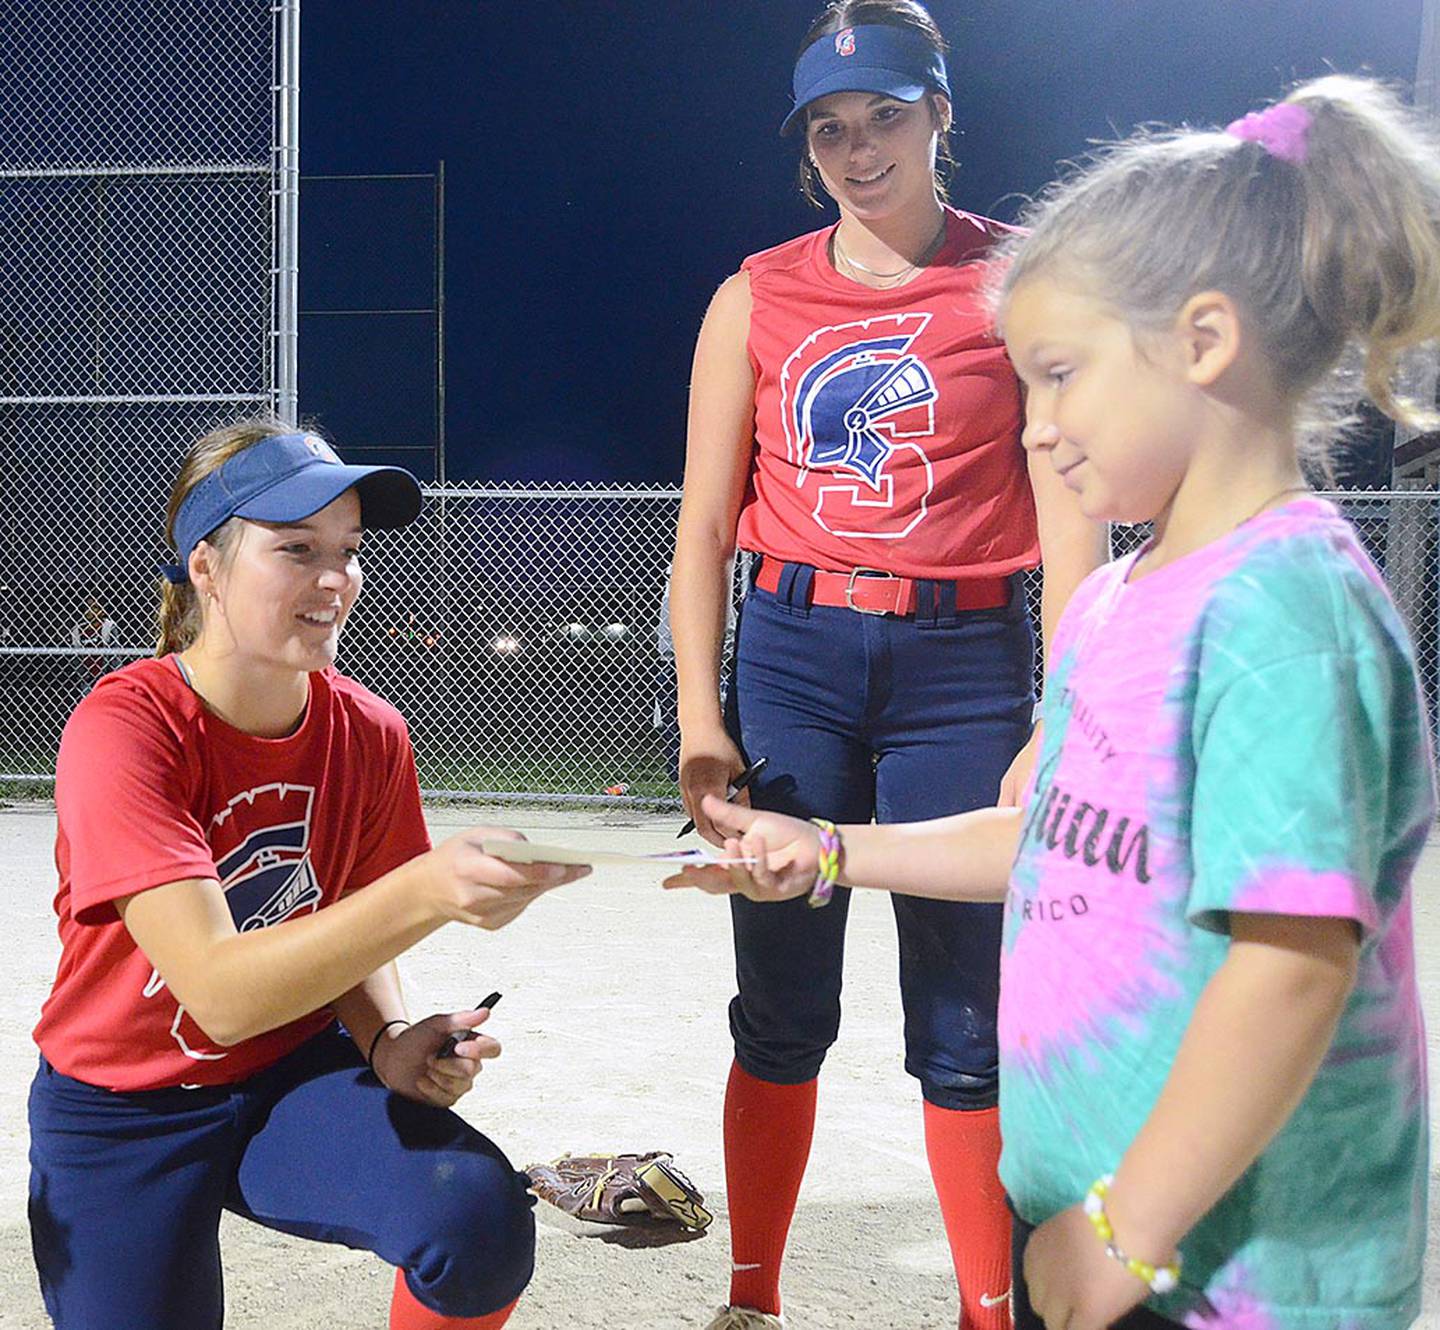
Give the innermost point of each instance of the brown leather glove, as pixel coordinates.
(621, 1189)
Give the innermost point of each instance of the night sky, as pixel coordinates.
(607, 165)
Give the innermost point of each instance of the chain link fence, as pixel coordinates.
(146, 169)
(519, 629)
(148, 184)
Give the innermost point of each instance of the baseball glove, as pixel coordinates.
(621, 1189)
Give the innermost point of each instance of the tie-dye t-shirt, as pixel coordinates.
(1238, 730)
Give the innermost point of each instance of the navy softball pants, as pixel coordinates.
(899, 719)
(126, 1190)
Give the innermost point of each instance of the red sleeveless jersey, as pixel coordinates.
(887, 422)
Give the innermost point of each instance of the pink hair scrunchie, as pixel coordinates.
(1282, 130)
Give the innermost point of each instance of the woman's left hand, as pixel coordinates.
(1072, 1282)
(408, 1063)
(1012, 786)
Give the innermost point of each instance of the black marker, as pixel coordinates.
(736, 785)
(447, 1049)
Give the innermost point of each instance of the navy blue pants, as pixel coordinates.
(126, 1190)
(896, 719)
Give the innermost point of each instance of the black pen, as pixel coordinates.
(447, 1049)
(736, 785)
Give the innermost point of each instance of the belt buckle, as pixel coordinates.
(850, 588)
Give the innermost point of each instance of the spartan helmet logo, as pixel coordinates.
(267, 875)
(845, 402)
(261, 844)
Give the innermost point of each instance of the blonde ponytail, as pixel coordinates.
(1371, 248)
(1331, 244)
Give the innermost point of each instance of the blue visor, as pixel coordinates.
(875, 57)
(285, 478)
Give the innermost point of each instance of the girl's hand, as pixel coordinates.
(474, 888)
(408, 1065)
(709, 761)
(1012, 786)
(785, 849)
(1073, 1284)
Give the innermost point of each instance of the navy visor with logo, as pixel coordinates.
(874, 57)
(285, 478)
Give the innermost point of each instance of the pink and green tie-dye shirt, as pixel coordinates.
(1240, 730)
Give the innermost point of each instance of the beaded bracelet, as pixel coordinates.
(829, 863)
(1158, 1278)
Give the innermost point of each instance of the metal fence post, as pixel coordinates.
(286, 174)
(440, 476)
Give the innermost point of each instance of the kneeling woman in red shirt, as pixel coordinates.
(242, 856)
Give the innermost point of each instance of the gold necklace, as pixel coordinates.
(1279, 494)
(1148, 549)
(896, 277)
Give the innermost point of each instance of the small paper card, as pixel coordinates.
(527, 852)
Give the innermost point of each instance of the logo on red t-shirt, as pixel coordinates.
(261, 841)
(854, 400)
(262, 850)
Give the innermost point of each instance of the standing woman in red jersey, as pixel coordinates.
(854, 421)
(242, 855)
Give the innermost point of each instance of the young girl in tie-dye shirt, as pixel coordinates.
(1213, 1094)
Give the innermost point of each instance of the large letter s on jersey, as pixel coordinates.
(854, 399)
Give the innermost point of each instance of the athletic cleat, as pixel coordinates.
(744, 1318)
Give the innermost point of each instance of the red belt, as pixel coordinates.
(869, 591)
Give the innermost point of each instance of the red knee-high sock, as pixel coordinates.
(407, 1314)
(768, 1129)
(964, 1153)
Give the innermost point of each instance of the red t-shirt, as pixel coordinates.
(887, 422)
(152, 788)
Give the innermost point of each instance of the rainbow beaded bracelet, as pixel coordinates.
(829, 864)
(1158, 1278)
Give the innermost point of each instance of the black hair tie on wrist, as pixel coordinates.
(375, 1043)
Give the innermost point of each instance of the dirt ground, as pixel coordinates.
(615, 1038)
